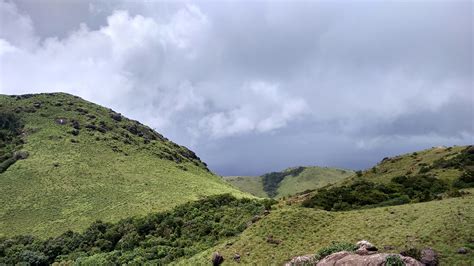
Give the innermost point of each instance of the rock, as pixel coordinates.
(37, 105)
(217, 259)
(75, 124)
(21, 155)
(306, 260)
(272, 240)
(462, 250)
(364, 252)
(365, 245)
(429, 257)
(247, 253)
(266, 212)
(237, 257)
(348, 258)
(115, 116)
(255, 218)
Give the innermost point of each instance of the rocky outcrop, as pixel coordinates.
(348, 258)
(303, 260)
(365, 255)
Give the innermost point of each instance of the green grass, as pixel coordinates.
(311, 178)
(249, 184)
(307, 178)
(444, 225)
(69, 181)
(410, 164)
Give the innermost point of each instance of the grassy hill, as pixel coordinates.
(65, 162)
(417, 177)
(444, 225)
(415, 163)
(249, 184)
(289, 181)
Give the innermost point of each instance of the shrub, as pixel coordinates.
(394, 260)
(365, 194)
(159, 238)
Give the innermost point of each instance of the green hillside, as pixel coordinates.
(444, 225)
(415, 163)
(249, 184)
(65, 162)
(289, 181)
(417, 177)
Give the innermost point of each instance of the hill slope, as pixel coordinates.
(420, 176)
(66, 162)
(289, 181)
(444, 225)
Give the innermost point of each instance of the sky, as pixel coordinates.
(258, 86)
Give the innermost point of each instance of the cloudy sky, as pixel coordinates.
(258, 86)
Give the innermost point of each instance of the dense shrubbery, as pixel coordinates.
(272, 180)
(10, 141)
(361, 194)
(158, 238)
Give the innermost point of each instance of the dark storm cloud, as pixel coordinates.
(258, 86)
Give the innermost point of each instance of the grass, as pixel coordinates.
(308, 178)
(249, 184)
(120, 169)
(444, 225)
(410, 164)
(312, 177)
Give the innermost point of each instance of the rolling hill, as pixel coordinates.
(289, 181)
(65, 162)
(444, 225)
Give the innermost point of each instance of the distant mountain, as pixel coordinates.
(289, 181)
(65, 162)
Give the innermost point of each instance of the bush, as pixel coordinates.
(335, 247)
(365, 194)
(159, 238)
(394, 260)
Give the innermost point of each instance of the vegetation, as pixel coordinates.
(394, 260)
(290, 181)
(359, 194)
(156, 238)
(333, 248)
(10, 140)
(249, 184)
(414, 164)
(87, 162)
(445, 225)
(273, 179)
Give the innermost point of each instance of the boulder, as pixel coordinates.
(347, 258)
(21, 155)
(462, 250)
(217, 259)
(365, 245)
(429, 257)
(237, 257)
(306, 260)
(61, 121)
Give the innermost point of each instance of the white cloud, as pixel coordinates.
(362, 75)
(264, 109)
